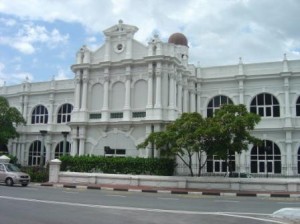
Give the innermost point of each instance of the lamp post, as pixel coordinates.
(65, 133)
(43, 133)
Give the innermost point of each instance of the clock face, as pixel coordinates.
(119, 47)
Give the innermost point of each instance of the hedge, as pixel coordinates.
(118, 165)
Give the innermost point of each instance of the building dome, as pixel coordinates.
(178, 39)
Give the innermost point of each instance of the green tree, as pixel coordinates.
(232, 126)
(10, 117)
(181, 139)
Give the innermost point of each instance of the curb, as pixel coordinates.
(179, 191)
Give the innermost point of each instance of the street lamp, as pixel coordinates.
(43, 133)
(65, 133)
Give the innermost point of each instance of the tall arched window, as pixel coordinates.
(216, 165)
(266, 159)
(34, 158)
(60, 148)
(215, 104)
(39, 115)
(64, 113)
(265, 105)
(298, 107)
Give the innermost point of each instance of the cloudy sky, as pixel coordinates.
(39, 38)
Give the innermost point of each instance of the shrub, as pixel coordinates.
(118, 165)
(37, 174)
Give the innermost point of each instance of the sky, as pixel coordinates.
(39, 38)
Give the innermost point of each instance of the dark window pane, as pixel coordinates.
(276, 111)
(217, 101)
(210, 113)
(210, 104)
(59, 119)
(268, 112)
(298, 100)
(275, 101)
(224, 166)
(209, 167)
(253, 110)
(268, 99)
(261, 167)
(254, 150)
(298, 110)
(224, 100)
(277, 167)
(254, 103)
(46, 119)
(217, 166)
(261, 111)
(254, 167)
(269, 167)
(260, 99)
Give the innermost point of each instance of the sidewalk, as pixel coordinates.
(150, 189)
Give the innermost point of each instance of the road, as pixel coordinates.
(42, 205)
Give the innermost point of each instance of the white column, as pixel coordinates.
(127, 98)
(107, 49)
(129, 46)
(74, 146)
(150, 86)
(85, 80)
(185, 99)
(171, 93)
(14, 148)
(241, 91)
(158, 90)
(192, 101)
(77, 91)
(82, 141)
(198, 98)
(289, 156)
(50, 117)
(25, 115)
(105, 98)
(179, 100)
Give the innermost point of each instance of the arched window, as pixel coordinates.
(39, 115)
(60, 148)
(266, 159)
(215, 104)
(216, 165)
(298, 107)
(64, 113)
(34, 158)
(299, 160)
(265, 105)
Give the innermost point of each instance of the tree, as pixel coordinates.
(233, 124)
(181, 139)
(10, 117)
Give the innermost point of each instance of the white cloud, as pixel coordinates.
(29, 35)
(8, 22)
(61, 75)
(13, 78)
(218, 31)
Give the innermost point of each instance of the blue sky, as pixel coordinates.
(39, 38)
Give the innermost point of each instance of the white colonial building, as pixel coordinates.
(125, 90)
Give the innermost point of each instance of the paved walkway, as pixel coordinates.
(149, 189)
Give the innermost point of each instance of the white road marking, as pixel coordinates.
(70, 192)
(174, 199)
(289, 203)
(116, 195)
(226, 201)
(238, 215)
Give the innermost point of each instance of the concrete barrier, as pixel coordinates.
(218, 183)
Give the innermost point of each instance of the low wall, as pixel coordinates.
(219, 183)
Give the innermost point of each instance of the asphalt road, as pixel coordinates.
(42, 205)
